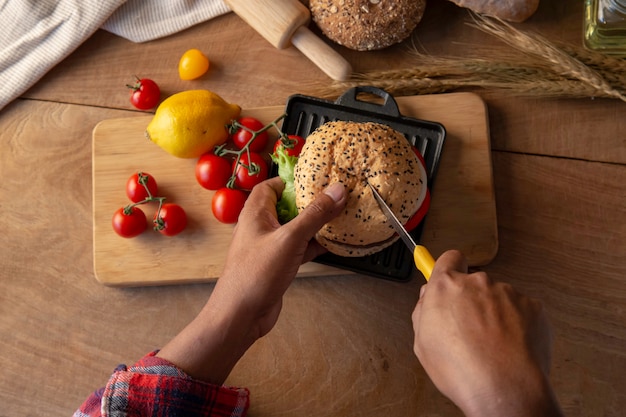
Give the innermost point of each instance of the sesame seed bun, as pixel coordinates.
(356, 154)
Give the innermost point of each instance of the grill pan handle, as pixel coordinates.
(350, 99)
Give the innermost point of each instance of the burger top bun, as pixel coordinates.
(366, 25)
(356, 154)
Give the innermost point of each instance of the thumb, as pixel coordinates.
(326, 206)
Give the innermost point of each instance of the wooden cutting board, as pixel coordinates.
(462, 214)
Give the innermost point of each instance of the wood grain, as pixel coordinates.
(464, 185)
(255, 74)
(197, 254)
(342, 345)
(568, 249)
(558, 241)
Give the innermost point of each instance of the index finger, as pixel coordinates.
(449, 262)
(265, 195)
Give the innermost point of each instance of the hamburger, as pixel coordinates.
(357, 154)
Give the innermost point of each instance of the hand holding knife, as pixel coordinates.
(422, 257)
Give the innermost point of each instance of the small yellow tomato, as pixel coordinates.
(192, 64)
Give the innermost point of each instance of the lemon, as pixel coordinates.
(190, 123)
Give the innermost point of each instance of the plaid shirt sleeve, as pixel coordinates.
(155, 387)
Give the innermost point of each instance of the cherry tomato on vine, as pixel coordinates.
(250, 172)
(212, 171)
(144, 94)
(135, 189)
(129, 221)
(227, 203)
(296, 147)
(193, 64)
(170, 220)
(241, 137)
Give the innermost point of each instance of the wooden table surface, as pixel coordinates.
(559, 169)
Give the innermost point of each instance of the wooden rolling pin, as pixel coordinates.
(284, 23)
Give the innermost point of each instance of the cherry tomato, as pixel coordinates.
(419, 215)
(212, 171)
(144, 94)
(136, 191)
(249, 173)
(170, 220)
(227, 203)
(294, 149)
(193, 64)
(129, 221)
(241, 137)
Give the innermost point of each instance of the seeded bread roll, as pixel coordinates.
(356, 154)
(367, 25)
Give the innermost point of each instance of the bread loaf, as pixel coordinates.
(510, 10)
(366, 25)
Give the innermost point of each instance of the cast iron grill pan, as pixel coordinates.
(304, 114)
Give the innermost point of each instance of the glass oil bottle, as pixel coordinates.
(605, 26)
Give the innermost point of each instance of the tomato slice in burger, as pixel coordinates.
(419, 215)
(419, 155)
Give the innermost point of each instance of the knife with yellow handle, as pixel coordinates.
(424, 261)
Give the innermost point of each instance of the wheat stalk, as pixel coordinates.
(612, 69)
(540, 47)
(396, 86)
(543, 69)
(408, 86)
(437, 75)
(509, 68)
(560, 88)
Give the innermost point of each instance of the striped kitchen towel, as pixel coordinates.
(38, 34)
(141, 20)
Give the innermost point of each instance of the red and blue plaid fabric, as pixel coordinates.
(155, 387)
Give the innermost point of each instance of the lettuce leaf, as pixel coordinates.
(286, 207)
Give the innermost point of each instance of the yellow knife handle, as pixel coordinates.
(424, 261)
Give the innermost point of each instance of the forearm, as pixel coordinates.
(210, 346)
(262, 261)
(529, 397)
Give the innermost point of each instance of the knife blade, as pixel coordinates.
(424, 261)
